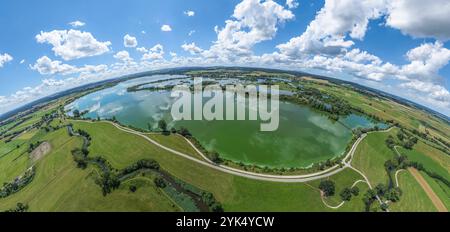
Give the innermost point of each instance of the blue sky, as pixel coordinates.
(397, 46)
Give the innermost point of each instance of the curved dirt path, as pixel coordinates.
(343, 202)
(396, 177)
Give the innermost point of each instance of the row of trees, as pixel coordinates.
(141, 164)
(20, 208)
(78, 114)
(406, 139)
(33, 146)
(328, 189)
(212, 155)
(347, 193)
(18, 184)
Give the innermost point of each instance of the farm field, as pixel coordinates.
(371, 155)
(414, 197)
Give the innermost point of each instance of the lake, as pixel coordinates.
(304, 136)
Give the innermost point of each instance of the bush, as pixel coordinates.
(108, 182)
(369, 198)
(384, 206)
(20, 207)
(213, 204)
(184, 132)
(141, 164)
(355, 191)
(162, 125)
(327, 187)
(80, 158)
(214, 157)
(393, 194)
(346, 194)
(381, 189)
(160, 182)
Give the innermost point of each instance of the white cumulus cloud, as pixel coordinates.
(46, 66)
(253, 21)
(166, 28)
(189, 13)
(326, 34)
(123, 56)
(154, 53)
(418, 18)
(129, 41)
(5, 58)
(73, 44)
(426, 61)
(191, 48)
(292, 4)
(77, 24)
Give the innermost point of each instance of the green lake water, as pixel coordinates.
(304, 136)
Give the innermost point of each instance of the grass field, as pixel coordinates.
(87, 196)
(438, 156)
(371, 155)
(60, 186)
(12, 160)
(15, 160)
(176, 142)
(55, 175)
(414, 198)
(441, 190)
(235, 193)
(346, 179)
(428, 163)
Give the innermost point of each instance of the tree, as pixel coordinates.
(76, 113)
(381, 189)
(327, 187)
(384, 206)
(159, 182)
(20, 207)
(215, 157)
(208, 198)
(400, 135)
(184, 132)
(80, 158)
(346, 194)
(390, 142)
(108, 181)
(393, 194)
(390, 165)
(369, 198)
(355, 191)
(216, 207)
(162, 124)
(408, 145)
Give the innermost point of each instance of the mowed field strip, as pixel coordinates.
(426, 187)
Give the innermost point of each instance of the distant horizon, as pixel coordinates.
(209, 67)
